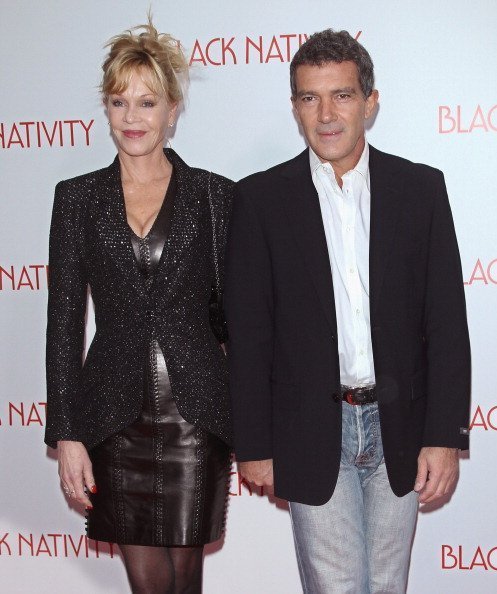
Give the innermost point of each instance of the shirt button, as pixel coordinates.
(351, 270)
(361, 352)
(358, 311)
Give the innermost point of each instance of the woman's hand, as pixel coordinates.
(75, 471)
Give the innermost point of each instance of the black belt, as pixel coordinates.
(355, 396)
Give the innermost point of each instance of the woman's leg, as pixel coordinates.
(188, 563)
(150, 569)
(163, 570)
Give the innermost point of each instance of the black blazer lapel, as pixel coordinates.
(186, 219)
(386, 194)
(112, 224)
(304, 214)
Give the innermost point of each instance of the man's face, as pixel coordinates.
(332, 111)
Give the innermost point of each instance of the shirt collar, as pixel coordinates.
(362, 166)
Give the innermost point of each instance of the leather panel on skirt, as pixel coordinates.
(161, 481)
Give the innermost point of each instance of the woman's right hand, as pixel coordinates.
(75, 471)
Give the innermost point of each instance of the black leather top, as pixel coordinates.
(148, 250)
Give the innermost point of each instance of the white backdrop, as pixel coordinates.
(435, 69)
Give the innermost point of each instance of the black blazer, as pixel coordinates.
(90, 246)
(283, 356)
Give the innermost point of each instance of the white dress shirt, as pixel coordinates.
(346, 215)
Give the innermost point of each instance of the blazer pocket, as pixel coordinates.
(286, 396)
(418, 385)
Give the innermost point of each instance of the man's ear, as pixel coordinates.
(371, 103)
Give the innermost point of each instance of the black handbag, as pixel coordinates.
(216, 313)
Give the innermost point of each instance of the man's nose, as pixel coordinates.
(327, 111)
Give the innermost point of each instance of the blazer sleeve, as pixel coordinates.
(222, 191)
(249, 310)
(67, 298)
(446, 333)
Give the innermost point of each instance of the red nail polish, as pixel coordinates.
(88, 508)
(93, 489)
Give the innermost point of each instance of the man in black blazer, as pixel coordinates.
(349, 351)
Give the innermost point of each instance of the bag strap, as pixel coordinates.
(214, 240)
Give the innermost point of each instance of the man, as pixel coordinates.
(349, 350)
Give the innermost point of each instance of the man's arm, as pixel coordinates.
(249, 311)
(448, 354)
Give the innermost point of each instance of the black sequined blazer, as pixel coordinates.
(90, 246)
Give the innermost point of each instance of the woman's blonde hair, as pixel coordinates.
(159, 53)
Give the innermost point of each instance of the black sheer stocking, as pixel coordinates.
(188, 563)
(163, 570)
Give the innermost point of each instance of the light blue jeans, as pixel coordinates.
(359, 542)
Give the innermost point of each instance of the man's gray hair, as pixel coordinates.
(334, 46)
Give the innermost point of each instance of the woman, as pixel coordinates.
(142, 427)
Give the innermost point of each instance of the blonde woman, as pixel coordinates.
(142, 427)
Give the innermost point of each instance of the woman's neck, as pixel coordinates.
(144, 169)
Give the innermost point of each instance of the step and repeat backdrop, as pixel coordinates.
(437, 76)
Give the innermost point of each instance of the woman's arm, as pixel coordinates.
(67, 298)
(221, 192)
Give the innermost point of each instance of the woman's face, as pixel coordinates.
(139, 118)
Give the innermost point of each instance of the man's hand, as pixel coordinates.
(259, 472)
(438, 469)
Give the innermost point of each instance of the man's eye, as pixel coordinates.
(343, 96)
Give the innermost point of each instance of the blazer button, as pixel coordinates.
(336, 397)
(333, 337)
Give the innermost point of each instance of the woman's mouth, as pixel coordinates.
(133, 133)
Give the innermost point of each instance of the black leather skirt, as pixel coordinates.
(161, 481)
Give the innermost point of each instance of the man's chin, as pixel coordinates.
(325, 154)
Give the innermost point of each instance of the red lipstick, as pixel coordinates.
(133, 133)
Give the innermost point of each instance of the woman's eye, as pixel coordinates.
(117, 103)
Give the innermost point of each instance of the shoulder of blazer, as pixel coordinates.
(392, 165)
(81, 182)
(78, 191)
(195, 175)
(75, 197)
(268, 179)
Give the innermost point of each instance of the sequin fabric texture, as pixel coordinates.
(90, 247)
(161, 481)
